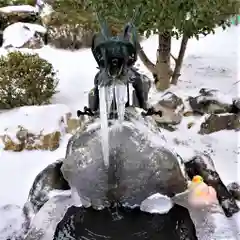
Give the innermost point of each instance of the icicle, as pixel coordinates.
(109, 98)
(104, 124)
(130, 95)
(121, 100)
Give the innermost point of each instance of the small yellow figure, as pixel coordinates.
(200, 194)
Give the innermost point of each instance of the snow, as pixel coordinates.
(8, 215)
(18, 8)
(209, 63)
(157, 203)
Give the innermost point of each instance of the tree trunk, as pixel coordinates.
(179, 60)
(163, 69)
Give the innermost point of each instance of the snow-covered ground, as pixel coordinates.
(211, 62)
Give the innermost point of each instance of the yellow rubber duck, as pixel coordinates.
(200, 194)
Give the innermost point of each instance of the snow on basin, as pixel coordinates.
(18, 8)
(157, 203)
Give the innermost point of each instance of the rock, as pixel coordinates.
(26, 35)
(203, 165)
(44, 223)
(234, 189)
(171, 101)
(69, 37)
(207, 92)
(10, 145)
(190, 124)
(191, 113)
(8, 18)
(30, 141)
(132, 165)
(22, 134)
(51, 141)
(209, 101)
(215, 123)
(168, 117)
(171, 107)
(72, 125)
(167, 126)
(49, 179)
(35, 42)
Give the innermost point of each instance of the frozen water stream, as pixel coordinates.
(106, 95)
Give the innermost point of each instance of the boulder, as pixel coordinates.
(215, 123)
(171, 107)
(13, 14)
(171, 101)
(26, 35)
(209, 101)
(68, 36)
(203, 165)
(132, 165)
(49, 141)
(71, 125)
(49, 179)
(45, 222)
(168, 117)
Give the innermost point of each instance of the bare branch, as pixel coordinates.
(179, 62)
(174, 58)
(146, 61)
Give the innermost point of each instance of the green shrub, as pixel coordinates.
(71, 26)
(25, 79)
(72, 12)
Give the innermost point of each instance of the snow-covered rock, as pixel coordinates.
(210, 101)
(18, 8)
(18, 34)
(215, 123)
